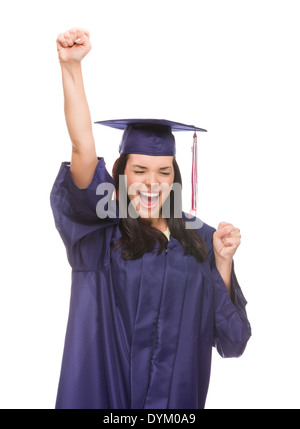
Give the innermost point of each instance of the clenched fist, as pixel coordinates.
(73, 45)
(226, 240)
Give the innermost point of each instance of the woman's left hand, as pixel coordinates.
(226, 240)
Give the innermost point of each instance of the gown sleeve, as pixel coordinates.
(232, 329)
(82, 216)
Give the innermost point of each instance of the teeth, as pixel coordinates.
(149, 194)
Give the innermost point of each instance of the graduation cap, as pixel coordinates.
(154, 137)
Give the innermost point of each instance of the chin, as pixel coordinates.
(149, 214)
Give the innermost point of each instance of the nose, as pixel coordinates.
(151, 181)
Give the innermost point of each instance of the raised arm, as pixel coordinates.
(72, 47)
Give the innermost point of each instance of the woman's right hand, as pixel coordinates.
(73, 45)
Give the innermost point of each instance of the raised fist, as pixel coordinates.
(226, 240)
(73, 45)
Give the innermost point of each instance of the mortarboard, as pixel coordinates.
(154, 137)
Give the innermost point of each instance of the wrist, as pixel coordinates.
(71, 72)
(70, 66)
(222, 262)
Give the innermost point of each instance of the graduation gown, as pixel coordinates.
(140, 332)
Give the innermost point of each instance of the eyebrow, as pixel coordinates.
(145, 168)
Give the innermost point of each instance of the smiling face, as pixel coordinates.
(149, 181)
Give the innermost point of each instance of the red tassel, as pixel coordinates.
(193, 211)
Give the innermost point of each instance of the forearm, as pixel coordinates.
(76, 108)
(224, 268)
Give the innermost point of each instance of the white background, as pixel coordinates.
(231, 67)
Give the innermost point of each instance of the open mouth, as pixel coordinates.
(149, 200)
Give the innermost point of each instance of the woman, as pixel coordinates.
(150, 296)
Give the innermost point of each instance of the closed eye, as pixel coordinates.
(141, 172)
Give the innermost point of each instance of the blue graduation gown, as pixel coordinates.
(140, 332)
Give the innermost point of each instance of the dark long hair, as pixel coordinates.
(139, 237)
